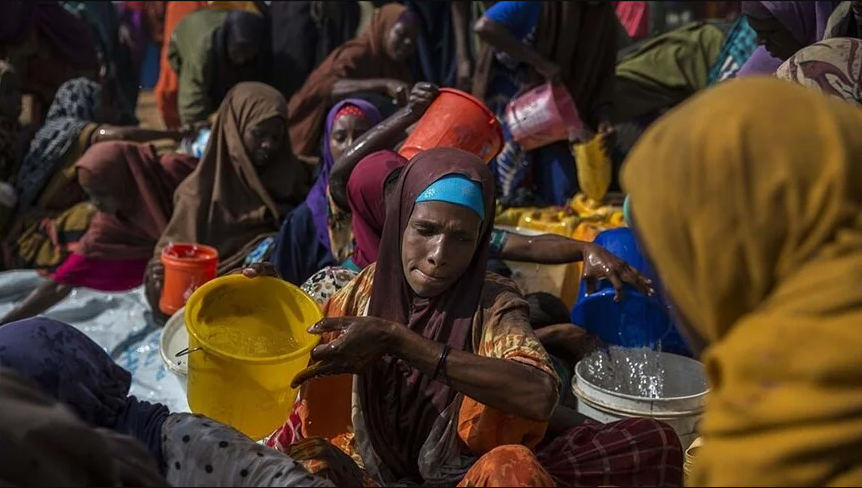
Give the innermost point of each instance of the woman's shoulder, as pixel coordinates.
(496, 284)
(500, 294)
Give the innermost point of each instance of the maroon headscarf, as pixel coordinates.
(365, 196)
(399, 403)
(147, 182)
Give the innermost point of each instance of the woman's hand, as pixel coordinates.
(599, 263)
(421, 97)
(260, 269)
(608, 134)
(398, 91)
(548, 69)
(362, 341)
(156, 275)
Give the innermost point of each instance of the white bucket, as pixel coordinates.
(684, 386)
(173, 340)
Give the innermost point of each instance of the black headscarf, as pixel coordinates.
(240, 27)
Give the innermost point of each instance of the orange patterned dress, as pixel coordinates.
(491, 448)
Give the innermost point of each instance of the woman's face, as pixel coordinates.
(100, 195)
(438, 246)
(401, 41)
(773, 35)
(345, 130)
(264, 140)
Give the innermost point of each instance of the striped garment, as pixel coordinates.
(738, 46)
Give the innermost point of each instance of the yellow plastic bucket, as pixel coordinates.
(247, 340)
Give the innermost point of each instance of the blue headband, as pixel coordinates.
(456, 189)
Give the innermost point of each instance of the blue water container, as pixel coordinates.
(637, 320)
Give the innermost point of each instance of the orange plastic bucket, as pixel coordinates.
(456, 119)
(543, 115)
(187, 267)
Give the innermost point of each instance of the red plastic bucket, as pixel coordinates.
(187, 267)
(456, 119)
(543, 115)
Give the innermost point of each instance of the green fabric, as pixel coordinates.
(191, 57)
(666, 70)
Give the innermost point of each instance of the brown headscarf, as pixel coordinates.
(581, 38)
(43, 443)
(400, 404)
(227, 202)
(363, 57)
(146, 183)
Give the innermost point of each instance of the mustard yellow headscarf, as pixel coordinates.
(748, 198)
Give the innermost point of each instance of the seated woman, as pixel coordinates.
(132, 190)
(832, 67)
(212, 50)
(662, 72)
(451, 384)
(784, 27)
(312, 235)
(245, 183)
(186, 449)
(360, 181)
(776, 323)
(83, 113)
(373, 66)
(527, 42)
(332, 211)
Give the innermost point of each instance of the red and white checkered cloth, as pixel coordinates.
(631, 452)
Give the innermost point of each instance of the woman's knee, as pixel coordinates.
(509, 465)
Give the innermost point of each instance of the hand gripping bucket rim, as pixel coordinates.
(198, 295)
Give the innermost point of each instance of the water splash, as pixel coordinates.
(629, 371)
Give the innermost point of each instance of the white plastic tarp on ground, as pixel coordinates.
(119, 322)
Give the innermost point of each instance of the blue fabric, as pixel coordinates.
(435, 60)
(520, 18)
(70, 367)
(260, 252)
(298, 255)
(555, 174)
(456, 189)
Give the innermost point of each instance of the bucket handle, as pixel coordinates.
(187, 351)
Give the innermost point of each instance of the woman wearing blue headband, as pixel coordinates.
(451, 385)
